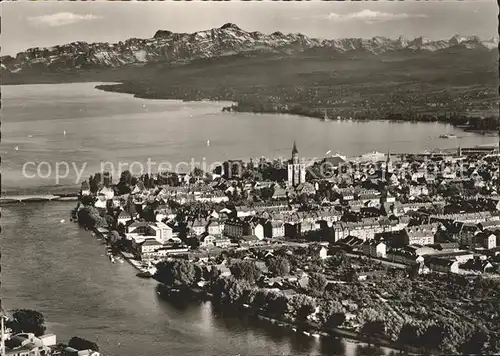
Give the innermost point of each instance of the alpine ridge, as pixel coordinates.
(177, 48)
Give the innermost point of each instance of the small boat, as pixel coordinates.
(30, 136)
(306, 333)
(112, 259)
(208, 143)
(294, 329)
(144, 274)
(325, 117)
(447, 136)
(16, 148)
(315, 335)
(64, 132)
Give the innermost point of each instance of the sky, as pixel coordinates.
(42, 24)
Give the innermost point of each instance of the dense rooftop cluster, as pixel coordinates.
(424, 222)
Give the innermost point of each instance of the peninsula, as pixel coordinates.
(393, 250)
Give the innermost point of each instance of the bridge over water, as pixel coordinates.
(6, 199)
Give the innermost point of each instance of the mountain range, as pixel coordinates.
(177, 48)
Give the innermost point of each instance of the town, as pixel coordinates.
(392, 249)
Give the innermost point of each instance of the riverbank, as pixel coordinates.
(307, 330)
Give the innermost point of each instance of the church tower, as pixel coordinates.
(388, 164)
(296, 170)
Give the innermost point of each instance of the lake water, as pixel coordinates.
(117, 128)
(60, 270)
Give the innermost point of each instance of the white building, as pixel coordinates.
(296, 170)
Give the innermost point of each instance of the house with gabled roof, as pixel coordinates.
(374, 248)
(108, 192)
(123, 218)
(442, 265)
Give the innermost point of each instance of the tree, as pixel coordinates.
(198, 172)
(126, 178)
(90, 217)
(335, 320)
(228, 290)
(278, 266)
(432, 337)
(79, 343)
(372, 328)
(329, 308)
(316, 285)
(475, 344)
(246, 270)
(409, 334)
(27, 321)
(276, 304)
(300, 306)
(178, 273)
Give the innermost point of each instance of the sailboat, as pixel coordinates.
(64, 132)
(325, 117)
(208, 143)
(16, 148)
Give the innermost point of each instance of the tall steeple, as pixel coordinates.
(295, 154)
(388, 163)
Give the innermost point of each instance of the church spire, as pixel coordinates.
(295, 150)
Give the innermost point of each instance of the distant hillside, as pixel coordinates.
(420, 80)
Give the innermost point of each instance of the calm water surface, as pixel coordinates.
(60, 270)
(117, 128)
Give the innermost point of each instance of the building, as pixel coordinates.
(147, 250)
(419, 235)
(234, 228)
(443, 265)
(232, 169)
(479, 150)
(198, 226)
(27, 344)
(274, 228)
(374, 248)
(296, 170)
(215, 227)
(207, 241)
(485, 240)
(123, 218)
(107, 192)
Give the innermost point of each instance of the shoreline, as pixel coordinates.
(309, 113)
(345, 334)
(202, 294)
